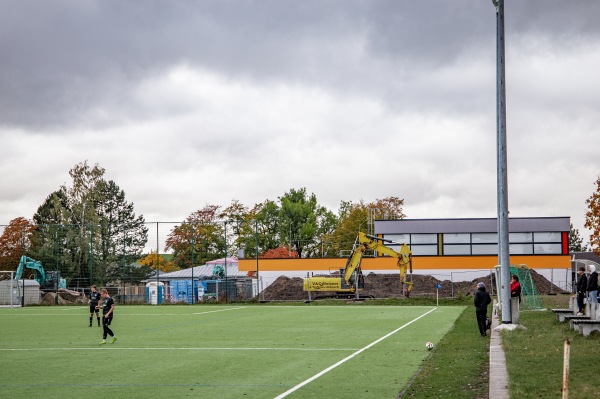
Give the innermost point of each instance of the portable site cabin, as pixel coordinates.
(11, 292)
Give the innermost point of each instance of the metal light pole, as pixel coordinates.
(193, 245)
(257, 275)
(226, 287)
(502, 175)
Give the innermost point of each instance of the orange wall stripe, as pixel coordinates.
(419, 263)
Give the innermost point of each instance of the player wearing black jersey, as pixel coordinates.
(93, 301)
(108, 308)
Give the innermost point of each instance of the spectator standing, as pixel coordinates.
(581, 289)
(481, 301)
(515, 287)
(592, 285)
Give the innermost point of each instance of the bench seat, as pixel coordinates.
(587, 326)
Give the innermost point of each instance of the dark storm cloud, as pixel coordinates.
(65, 62)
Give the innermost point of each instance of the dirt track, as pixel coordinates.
(388, 286)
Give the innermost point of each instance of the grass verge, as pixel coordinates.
(534, 356)
(457, 367)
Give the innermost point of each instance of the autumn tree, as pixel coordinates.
(14, 242)
(592, 218)
(201, 231)
(281, 252)
(359, 217)
(152, 259)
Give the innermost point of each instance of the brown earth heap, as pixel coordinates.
(388, 286)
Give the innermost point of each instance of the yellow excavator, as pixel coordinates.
(351, 279)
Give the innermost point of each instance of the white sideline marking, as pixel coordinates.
(221, 310)
(178, 349)
(328, 369)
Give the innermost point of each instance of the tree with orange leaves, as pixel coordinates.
(151, 260)
(281, 252)
(14, 241)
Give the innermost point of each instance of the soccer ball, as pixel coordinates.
(429, 345)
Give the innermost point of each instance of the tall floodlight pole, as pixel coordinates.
(193, 245)
(257, 275)
(502, 175)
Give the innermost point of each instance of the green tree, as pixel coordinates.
(123, 235)
(88, 228)
(592, 218)
(575, 241)
(259, 230)
(303, 223)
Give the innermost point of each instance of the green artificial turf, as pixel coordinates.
(219, 351)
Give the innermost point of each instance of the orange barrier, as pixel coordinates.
(419, 263)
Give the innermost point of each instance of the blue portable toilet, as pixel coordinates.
(155, 292)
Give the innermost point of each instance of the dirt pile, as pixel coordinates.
(388, 286)
(64, 297)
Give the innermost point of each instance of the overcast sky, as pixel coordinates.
(188, 103)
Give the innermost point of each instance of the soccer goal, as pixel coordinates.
(10, 293)
(530, 298)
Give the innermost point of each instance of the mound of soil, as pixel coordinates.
(64, 297)
(388, 286)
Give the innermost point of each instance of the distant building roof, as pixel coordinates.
(206, 270)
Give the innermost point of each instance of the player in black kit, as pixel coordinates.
(93, 301)
(108, 308)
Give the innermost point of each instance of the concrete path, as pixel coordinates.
(498, 373)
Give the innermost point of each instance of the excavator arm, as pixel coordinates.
(404, 256)
(26, 262)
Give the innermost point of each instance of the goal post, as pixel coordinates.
(10, 292)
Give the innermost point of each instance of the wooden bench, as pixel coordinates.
(587, 326)
(573, 319)
(561, 313)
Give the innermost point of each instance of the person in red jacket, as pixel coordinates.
(515, 287)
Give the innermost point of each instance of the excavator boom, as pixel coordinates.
(347, 281)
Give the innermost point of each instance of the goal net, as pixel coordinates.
(10, 293)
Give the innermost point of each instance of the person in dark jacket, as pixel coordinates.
(581, 289)
(592, 286)
(481, 301)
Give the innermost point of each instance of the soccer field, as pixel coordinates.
(218, 351)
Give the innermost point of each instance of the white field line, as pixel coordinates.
(127, 314)
(178, 349)
(221, 310)
(328, 369)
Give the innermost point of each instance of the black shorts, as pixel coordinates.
(93, 309)
(107, 320)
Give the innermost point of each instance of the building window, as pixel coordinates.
(520, 237)
(484, 238)
(397, 238)
(485, 249)
(521, 249)
(457, 238)
(423, 238)
(547, 237)
(548, 249)
(430, 250)
(457, 249)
